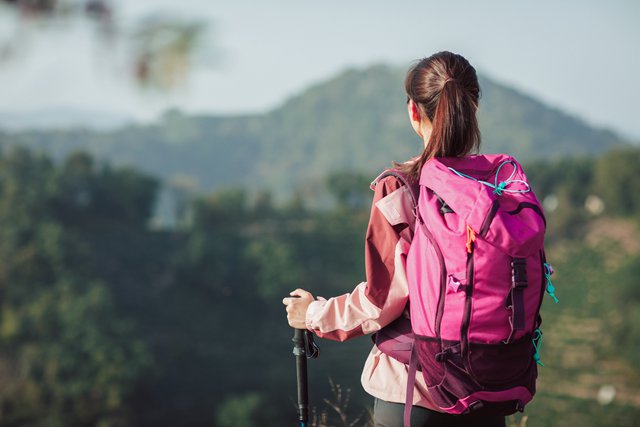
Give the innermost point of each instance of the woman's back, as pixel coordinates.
(442, 100)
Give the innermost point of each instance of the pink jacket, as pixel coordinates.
(381, 299)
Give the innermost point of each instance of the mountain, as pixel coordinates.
(355, 121)
(62, 118)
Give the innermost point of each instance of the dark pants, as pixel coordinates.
(388, 414)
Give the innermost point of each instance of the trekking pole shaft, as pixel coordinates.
(301, 373)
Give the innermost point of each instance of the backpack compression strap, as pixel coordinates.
(518, 284)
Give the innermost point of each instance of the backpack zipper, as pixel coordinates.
(466, 317)
(443, 275)
(529, 205)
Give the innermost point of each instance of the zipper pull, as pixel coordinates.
(471, 238)
(537, 343)
(548, 271)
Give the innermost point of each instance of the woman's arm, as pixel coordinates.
(382, 298)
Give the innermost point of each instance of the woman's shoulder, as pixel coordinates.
(393, 198)
(389, 180)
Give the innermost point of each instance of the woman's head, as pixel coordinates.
(442, 96)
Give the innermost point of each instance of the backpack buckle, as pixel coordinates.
(447, 353)
(475, 406)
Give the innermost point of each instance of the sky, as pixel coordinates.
(581, 56)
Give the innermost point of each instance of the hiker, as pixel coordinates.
(442, 101)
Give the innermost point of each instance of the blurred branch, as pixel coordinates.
(163, 48)
(31, 9)
(42, 10)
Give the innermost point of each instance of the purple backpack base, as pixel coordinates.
(477, 274)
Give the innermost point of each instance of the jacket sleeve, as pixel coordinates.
(383, 296)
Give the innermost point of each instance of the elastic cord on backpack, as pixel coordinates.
(499, 187)
(548, 271)
(537, 343)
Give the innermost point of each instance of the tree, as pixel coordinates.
(76, 359)
(617, 181)
(351, 190)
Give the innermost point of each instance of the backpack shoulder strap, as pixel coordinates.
(411, 383)
(414, 188)
(412, 184)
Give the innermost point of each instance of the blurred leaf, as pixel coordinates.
(164, 51)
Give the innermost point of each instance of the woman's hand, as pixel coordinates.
(297, 306)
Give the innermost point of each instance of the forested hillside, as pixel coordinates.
(355, 121)
(105, 321)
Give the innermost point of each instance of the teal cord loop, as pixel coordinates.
(499, 187)
(537, 343)
(548, 271)
(498, 190)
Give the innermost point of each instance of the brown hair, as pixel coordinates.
(445, 88)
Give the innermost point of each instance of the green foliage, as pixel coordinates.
(625, 309)
(612, 177)
(213, 256)
(570, 181)
(73, 352)
(350, 189)
(76, 361)
(117, 196)
(617, 181)
(277, 271)
(223, 207)
(239, 411)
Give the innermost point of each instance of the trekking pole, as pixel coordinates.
(303, 348)
(301, 374)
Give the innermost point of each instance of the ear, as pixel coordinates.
(414, 117)
(414, 112)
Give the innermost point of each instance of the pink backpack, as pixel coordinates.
(477, 274)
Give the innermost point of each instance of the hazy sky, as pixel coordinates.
(581, 56)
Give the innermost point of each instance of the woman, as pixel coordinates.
(442, 100)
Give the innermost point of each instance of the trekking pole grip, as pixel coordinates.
(300, 353)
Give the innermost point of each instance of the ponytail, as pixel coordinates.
(445, 88)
